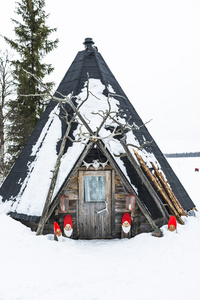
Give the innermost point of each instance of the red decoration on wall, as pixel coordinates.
(57, 229)
(126, 218)
(126, 223)
(172, 224)
(68, 220)
(68, 226)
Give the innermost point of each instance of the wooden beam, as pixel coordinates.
(113, 202)
(47, 204)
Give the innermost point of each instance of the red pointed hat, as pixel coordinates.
(172, 221)
(126, 217)
(56, 227)
(68, 220)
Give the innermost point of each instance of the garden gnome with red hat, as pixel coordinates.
(57, 231)
(172, 224)
(68, 226)
(126, 223)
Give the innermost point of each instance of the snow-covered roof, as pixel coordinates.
(26, 186)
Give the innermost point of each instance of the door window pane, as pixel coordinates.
(94, 188)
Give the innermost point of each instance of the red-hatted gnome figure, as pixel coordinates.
(57, 232)
(126, 223)
(68, 226)
(172, 224)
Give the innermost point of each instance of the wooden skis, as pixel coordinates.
(169, 191)
(159, 187)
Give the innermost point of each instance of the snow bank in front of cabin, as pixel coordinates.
(144, 268)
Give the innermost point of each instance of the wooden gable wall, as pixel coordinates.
(118, 198)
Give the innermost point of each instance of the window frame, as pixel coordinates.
(85, 192)
(94, 173)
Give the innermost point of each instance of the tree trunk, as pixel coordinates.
(47, 204)
(1, 145)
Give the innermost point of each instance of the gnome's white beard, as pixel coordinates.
(126, 229)
(68, 233)
(60, 238)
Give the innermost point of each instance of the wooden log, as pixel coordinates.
(169, 191)
(158, 187)
(120, 197)
(44, 216)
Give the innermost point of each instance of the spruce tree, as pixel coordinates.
(32, 44)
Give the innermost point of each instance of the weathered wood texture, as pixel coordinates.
(72, 192)
(116, 210)
(139, 222)
(94, 218)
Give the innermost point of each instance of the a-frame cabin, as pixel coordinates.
(114, 166)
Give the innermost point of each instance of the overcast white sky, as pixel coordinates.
(151, 46)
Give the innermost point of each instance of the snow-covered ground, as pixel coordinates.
(142, 268)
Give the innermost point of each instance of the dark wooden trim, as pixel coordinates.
(113, 201)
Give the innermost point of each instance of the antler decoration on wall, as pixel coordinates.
(95, 164)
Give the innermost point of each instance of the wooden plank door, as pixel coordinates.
(94, 215)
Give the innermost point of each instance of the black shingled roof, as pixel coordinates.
(90, 61)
